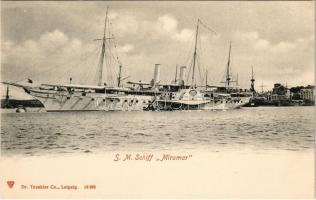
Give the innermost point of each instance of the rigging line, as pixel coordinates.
(109, 64)
(205, 76)
(200, 56)
(95, 77)
(81, 61)
(109, 60)
(223, 79)
(190, 52)
(110, 71)
(110, 74)
(113, 56)
(92, 75)
(115, 45)
(97, 69)
(199, 68)
(190, 66)
(189, 72)
(71, 62)
(198, 59)
(115, 77)
(207, 27)
(115, 60)
(39, 61)
(108, 49)
(193, 44)
(86, 76)
(115, 72)
(74, 67)
(57, 50)
(116, 56)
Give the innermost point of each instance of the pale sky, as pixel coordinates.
(52, 41)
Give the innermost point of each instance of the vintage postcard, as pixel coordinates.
(157, 99)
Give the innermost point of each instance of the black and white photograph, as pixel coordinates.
(157, 99)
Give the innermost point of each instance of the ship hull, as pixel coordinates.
(180, 105)
(223, 104)
(227, 104)
(62, 101)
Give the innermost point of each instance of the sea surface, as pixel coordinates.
(261, 128)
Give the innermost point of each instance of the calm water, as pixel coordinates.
(285, 128)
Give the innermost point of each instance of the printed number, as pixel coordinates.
(90, 187)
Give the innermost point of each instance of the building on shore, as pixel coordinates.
(308, 94)
(281, 95)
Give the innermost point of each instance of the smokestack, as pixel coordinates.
(156, 74)
(182, 75)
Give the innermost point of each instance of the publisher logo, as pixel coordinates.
(10, 184)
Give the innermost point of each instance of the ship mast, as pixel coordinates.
(252, 89)
(176, 75)
(262, 86)
(228, 79)
(194, 55)
(206, 80)
(102, 56)
(119, 76)
(7, 98)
